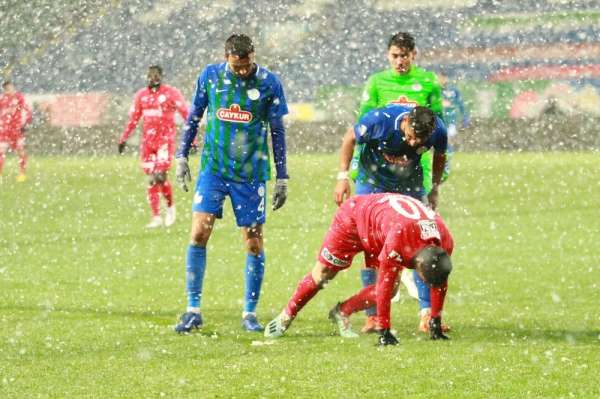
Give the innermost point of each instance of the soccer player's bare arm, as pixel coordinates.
(342, 186)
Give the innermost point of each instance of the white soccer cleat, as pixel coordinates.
(408, 279)
(170, 216)
(277, 327)
(154, 223)
(342, 322)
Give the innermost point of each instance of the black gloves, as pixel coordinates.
(121, 147)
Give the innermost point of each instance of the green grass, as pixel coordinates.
(88, 298)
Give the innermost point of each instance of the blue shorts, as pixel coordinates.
(247, 199)
(366, 188)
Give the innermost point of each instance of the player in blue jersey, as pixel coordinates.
(454, 107)
(241, 100)
(394, 137)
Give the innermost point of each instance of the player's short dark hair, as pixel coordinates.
(402, 40)
(156, 67)
(6, 83)
(239, 45)
(422, 120)
(434, 264)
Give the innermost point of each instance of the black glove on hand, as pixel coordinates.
(121, 147)
(387, 338)
(182, 173)
(435, 328)
(280, 194)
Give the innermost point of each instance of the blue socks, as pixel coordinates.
(368, 276)
(253, 273)
(195, 266)
(424, 299)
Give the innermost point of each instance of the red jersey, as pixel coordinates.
(157, 107)
(12, 106)
(390, 229)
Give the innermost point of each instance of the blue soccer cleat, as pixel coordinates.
(251, 324)
(188, 321)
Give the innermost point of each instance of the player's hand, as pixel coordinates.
(121, 147)
(387, 338)
(182, 173)
(435, 329)
(280, 194)
(193, 149)
(341, 191)
(432, 197)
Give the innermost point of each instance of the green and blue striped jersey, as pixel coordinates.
(238, 112)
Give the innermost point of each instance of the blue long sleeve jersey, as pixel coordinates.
(237, 114)
(380, 131)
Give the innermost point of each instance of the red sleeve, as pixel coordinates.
(386, 278)
(134, 116)
(438, 295)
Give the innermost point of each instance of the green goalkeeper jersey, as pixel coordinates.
(417, 87)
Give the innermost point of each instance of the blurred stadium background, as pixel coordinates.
(529, 70)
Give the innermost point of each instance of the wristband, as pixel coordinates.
(342, 175)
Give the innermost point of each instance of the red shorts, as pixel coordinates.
(342, 242)
(156, 156)
(11, 140)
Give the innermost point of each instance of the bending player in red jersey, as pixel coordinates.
(12, 126)
(394, 231)
(157, 104)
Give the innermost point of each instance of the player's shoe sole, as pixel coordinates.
(342, 322)
(21, 178)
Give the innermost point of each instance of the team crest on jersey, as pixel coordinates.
(234, 114)
(429, 229)
(403, 100)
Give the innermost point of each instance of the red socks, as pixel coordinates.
(153, 192)
(306, 290)
(361, 301)
(167, 192)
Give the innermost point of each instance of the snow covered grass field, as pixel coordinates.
(88, 297)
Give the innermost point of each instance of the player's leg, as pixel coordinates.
(164, 155)
(249, 202)
(307, 288)
(368, 275)
(340, 246)
(148, 162)
(19, 147)
(153, 196)
(207, 206)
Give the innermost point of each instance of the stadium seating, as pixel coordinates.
(64, 48)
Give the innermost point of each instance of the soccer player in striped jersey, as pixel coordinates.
(241, 100)
(156, 104)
